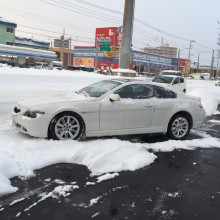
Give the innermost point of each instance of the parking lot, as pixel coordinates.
(178, 185)
(70, 180)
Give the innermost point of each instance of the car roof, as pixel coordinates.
(130, 80)
(172, 71)
(173, 76)
(125, 80)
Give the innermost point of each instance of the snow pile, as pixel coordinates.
(107, 176)
(100, 156)
(209, 93)
(20, 154)
(8, 169)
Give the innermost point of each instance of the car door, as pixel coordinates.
(134, 110)
(166, 104)
(176, 83)
(182, 84)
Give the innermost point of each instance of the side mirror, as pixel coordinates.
(114, 97)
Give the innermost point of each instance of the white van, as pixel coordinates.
(205, 76)
(170, 72)
(176, 82)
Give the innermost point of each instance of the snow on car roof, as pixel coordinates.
(174, 76)
(125, 80)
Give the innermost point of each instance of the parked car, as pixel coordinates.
(73, 68)
(41, 65)
(3, 61)
(175, 82)
(189, 77)
(205, 76)
(58, 67)
(87, 68)
(13, 63)
(110, 107)
(217, 82)
(170, 72)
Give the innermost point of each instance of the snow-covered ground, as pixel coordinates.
(20, 154)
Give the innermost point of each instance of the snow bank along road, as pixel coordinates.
(21, 155)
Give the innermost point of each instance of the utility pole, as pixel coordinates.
(127, 34)
(62, 42)
(212, 64)
(178, 59)
(188, 63)
(70, 54)
(96, 56)
(218, 64)
(197, 65)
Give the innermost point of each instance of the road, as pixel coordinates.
(178, 185)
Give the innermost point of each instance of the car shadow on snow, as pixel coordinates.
(144, 138)
(209, 128)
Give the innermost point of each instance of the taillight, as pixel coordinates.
(200, 106)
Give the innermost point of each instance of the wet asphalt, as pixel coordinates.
(182, 185)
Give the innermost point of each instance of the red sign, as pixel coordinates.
(182, 62)
(109, 32)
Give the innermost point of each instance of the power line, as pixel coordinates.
(93, 15)
(55, 32)
(43, 19)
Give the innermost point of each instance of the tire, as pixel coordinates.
(179, 127)
(66, 126)
(184, 91)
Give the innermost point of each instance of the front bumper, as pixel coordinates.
(36, 127)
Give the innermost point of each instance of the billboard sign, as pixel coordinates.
(61, 43)
(110, 32)
(105, 44)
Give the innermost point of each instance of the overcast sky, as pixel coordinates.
(186, 20)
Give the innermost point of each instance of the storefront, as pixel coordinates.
(140, 61)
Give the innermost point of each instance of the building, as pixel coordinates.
(140, 61)
(30, 43)
(7, 32)
(7, 37)
(21, 54)
(64, 55)
(21, 49)
(163, 50)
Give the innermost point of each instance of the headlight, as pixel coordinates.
(33, 114)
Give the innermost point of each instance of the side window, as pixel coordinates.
(142, 91)
(125, 92)
(176, 81)
(135, 91)
(181, 80)
(9, 43)
(162, 93)
(9, 30)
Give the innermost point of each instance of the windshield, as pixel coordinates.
(164, 79)
(170, 73)
(100, 88)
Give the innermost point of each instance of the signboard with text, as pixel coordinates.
(105, 44)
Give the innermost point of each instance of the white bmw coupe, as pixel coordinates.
(108, 108)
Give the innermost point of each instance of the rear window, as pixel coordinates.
(171, 73)
(162, 93)
(164, 79)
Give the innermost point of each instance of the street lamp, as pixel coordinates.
(190, 47)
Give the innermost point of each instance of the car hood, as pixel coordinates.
(52, 99)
